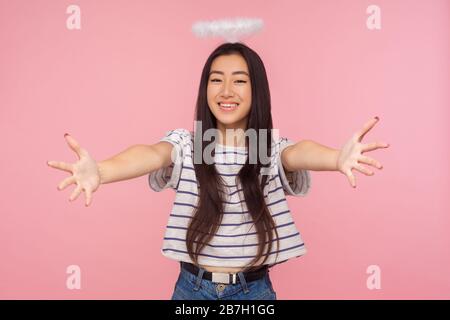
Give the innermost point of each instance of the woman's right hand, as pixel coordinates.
(85, 172)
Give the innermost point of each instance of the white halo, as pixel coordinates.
(230, 30)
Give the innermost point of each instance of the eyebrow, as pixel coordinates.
(235, 72)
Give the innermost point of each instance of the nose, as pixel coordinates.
(227, 90)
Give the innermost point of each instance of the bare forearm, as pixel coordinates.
(133, 162)
(310, 155)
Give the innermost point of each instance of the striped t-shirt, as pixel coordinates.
(235, 242)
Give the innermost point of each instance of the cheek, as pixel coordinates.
(247, 96)
(247, 93)
(211, 101)
(211, 91)
(247, 109)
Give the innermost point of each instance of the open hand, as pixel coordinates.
(85, 172)
(351, 154)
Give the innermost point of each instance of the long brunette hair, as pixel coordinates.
(208, 214)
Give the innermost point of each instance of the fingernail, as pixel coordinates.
(377, 118)
(66, 134)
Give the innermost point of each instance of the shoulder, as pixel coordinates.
(179, 133)
(280, 144)
(180, 136)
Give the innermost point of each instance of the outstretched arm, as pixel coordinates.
(309, 155)
(133, 162)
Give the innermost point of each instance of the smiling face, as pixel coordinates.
(229, 83)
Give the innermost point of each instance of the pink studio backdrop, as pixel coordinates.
(132, 72)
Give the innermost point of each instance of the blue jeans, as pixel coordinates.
(193, 287)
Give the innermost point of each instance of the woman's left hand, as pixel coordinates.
(351, 154)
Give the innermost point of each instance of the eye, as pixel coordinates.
(218, 80)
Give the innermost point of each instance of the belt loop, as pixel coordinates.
(199, 279)
(234, 278)
(243, 282)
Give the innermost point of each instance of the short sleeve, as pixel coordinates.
(295, 183)
(169, 177)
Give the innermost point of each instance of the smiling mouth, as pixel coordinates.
(228, 107)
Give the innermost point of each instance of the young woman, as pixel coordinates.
(230, 221)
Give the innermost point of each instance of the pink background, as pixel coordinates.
(132, 72)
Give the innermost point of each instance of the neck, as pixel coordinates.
(236, 136)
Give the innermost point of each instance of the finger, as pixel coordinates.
(75, 193)
(60, 165)
(73, 144)
(364, 170)
(370, 161)
(66, 182)
(351, 178)
(366, 128)
(88, 193)
(373, 146)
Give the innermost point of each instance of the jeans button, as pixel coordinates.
(221, 287)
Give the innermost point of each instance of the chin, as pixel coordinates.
(229, 120)
(230, 117)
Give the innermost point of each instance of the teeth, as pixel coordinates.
(228, 105)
